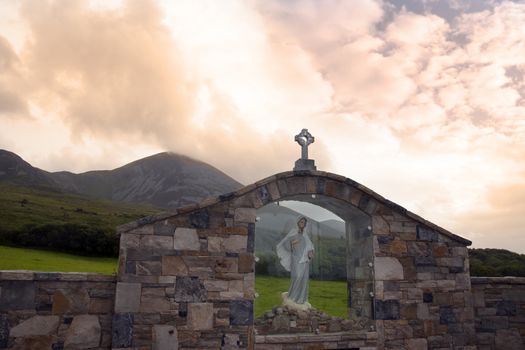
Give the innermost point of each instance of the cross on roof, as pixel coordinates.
(304, 138)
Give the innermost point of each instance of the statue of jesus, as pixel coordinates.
(295, 252)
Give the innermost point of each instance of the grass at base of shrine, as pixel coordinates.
(49, 261)
(328, 296)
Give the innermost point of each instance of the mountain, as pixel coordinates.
(165, 180)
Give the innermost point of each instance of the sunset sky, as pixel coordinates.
(421, 101)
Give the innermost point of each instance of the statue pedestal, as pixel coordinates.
(293, 305)
(304, 164)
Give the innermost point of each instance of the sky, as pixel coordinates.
(421, 101)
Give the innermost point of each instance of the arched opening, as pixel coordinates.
(341, 280)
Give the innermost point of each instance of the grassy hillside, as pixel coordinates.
(44, 218)
(48, 261)
(21, 206)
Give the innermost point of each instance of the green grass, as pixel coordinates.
(20, 206)
(42, 260)
(328, 296)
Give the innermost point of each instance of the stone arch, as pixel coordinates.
(193, 268)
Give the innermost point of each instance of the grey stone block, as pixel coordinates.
(200, 218)
(189, 289)
(264, 194)
(241, 313)
(165, 337)
(4, 331)
(446, 315)
(122, 330)
(127, 297)
(387, 309)
(17, 295)
(36, 325)
(425, 234)
(424, 261)
(251, 238)
(163, 229)
(505, 308)
(84, 333)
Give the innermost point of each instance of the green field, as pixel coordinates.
(42, 260)
(328, 296)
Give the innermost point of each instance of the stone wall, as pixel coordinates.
(422, 285)
(55, 310)
(499, 306)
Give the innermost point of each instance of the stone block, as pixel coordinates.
(215, 244)
(447, 315)
(173, 266)
(387, 310)
(163, 228)
(509, 339)
(398, 247)
(156, 242)
(36, 325)
(84, 332)
(380, 226)
(4, 331)
(127, 297)
(235, 243)
(200, 316)
(241, 313)
(154, 304)
(189, 289)
(417, 344)
(148, 268)
(246, 263)
(418, 248)
(506, 308)
(122, 330)
(128, 240)
(34, 342)
(250, 246)
(388, 268)
(186, 239)
(245, 215)
(17, 295)
(200, 218)
(165, 337)
(424, 261)
(425, 234)
(216, 285)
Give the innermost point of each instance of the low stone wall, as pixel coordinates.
(55, 310)
(499, 306)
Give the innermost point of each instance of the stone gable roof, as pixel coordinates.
(287, 174)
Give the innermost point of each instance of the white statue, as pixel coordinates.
(295, 252)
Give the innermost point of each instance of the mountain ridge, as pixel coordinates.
(166, 179)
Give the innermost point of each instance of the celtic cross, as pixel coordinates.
(304, 138)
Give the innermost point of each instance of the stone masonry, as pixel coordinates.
(55, 310)
(186, 281)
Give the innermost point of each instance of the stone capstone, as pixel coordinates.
(241, 312)
(165, 337)
(186, 239)
(387, 268)
(245, 215)
(84, 332)
(127, 297)
(36, 325)
(122, 330)
(189, 289)
(200, 316)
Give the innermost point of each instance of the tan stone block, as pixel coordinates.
(417, 344)
(36, 325)
(215, 244)
(398, 247)
(246, 263)
(173, 266)
(235, 244)
(100, 306)
(247, 215)
(439, 250)
(216, 285)
(379, 225)
(200, 316)
(154, 304)
(84, 333)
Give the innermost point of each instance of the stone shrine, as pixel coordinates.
(186, 281)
